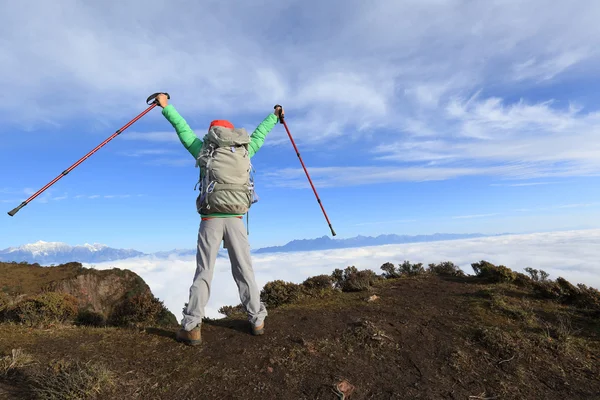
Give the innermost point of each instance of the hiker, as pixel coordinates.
(226, 194)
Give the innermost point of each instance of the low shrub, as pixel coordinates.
(404, 269)
(353, 280)
(141, 309)
(523, 280)
(319, 282)
(230, 311)
(279, 292)
(390, 271)
(90, 318)
(588, 297)
(408, 269)
(565, 292)
(318, 287)
(537, 275)
(492, 273)
(446, 268)
(43, 309)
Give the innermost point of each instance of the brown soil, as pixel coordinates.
(423, 338)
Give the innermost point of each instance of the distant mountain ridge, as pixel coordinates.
(326, 243)
(46, 253)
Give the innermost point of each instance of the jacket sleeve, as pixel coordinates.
(186, 135)
(259, 134)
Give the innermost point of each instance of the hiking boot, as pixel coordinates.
(191, 338)
(258, 329)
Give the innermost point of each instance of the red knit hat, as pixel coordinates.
(221, 122)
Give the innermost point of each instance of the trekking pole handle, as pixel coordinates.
(153, 97)
(279, 114)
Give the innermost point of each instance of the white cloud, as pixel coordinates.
(209, 60)
(105, 196)
(172, 162)
(572, 255)
(519, 140)
(523, 184)
(47, 196)
(579, 205)
(389, 76)
(549, 68)
(147, 152)
(473, 216)
(167, 136)
(352, 176)
(391, 221)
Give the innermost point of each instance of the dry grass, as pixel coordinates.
(22, 278)
(18, 359)
(71, 380)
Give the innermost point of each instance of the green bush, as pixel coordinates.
(446, 268)
(45, 308)
(408, 269)
(141, 309)
(537, 275)
(523, 280)
(390, 271)
(278, 293)
(230, 311)
(588, 297)
(564, 292)
(404, 269)
(353, 280)
(494, 274)
(90, 318)
(319, 282)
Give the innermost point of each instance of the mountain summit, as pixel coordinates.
(414, 332)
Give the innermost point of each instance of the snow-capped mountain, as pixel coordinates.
(46, 253)
(57, 253)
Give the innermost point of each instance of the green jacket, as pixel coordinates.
(193, 144)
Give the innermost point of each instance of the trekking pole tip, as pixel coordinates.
(16, 210)
(332, 231)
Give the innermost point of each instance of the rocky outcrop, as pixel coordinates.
(101, 291)
(114, 297)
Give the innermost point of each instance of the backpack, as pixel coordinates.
(226, 180)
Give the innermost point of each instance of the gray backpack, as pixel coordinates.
(226, 181)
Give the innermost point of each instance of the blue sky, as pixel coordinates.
(413, 117)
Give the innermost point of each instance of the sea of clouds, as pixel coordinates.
(573, 255)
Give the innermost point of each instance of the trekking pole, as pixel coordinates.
(282, 120)
(82, 159)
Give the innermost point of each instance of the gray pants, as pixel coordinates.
(210, 235)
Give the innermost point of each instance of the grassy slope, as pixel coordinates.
(31, 278)
(424, 338)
